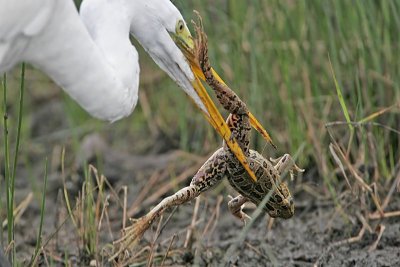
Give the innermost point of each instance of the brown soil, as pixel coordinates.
(306, 239)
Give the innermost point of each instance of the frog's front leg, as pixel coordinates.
(212, 171)
(286, 164)
(236, 206)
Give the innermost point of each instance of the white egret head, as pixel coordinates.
(159, 21)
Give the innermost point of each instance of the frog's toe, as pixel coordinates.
(276, 160)
(237, 211)
(245, 218)
(297, 168)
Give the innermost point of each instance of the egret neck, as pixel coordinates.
(99, 70)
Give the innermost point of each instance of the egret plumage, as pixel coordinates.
(89, 54)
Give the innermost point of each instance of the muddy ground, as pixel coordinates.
(307, 239)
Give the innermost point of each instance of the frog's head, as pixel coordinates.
(281, 202)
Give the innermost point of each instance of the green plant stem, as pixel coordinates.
(10, 176)
(42, 210)
(16, 152)
(6, 158)
(7, 163)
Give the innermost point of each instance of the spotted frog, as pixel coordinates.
(223, 163)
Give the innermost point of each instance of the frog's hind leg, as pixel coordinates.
(286, 164)
(133, 233)
(210, 174)
(236, 206)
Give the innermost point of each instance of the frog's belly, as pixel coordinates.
(243, 184)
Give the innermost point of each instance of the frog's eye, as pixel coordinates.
(180, 26)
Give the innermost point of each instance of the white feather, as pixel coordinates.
(90, 56)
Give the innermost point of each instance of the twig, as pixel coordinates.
(168, 249)
(377, 216)
(125, 189)
(391, 191)
(351, 168)
(153, 244)
(332, 148)
(256, 250)
(380, 228)
(364, 221)
(340, 243)
(20, 209)
(362, 124)
(192, 224)
(213, 218)
(103, 212)
(270, 223)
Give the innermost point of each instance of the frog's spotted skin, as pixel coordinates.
(268, 176)
(223, 163)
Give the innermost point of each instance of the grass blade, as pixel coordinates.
(7, 175)
(21, 103)
(377, 114)
(42, 210)
(6, 152)
(10, 176)
(340, 97)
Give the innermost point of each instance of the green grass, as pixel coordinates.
(276, 55)
(298, 65)
(10, 176)
(42, 214)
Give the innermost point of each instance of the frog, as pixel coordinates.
(223, 163)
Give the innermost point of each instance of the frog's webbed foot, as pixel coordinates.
(133, 233)
(286, 164)
(236, 206)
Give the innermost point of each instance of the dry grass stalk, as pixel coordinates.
(133, 233)
(350, 240)
(168, 249)
(209, 229)
(380, 228)
(189, 233)
(155, 177)
(153, 243)
(125, 190)
(342, 160)
(20, 209)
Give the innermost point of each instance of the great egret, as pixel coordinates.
(91, 57)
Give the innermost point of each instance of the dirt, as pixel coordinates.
(304, 240)
(307, 239)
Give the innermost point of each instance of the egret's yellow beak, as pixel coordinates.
(214, 117)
